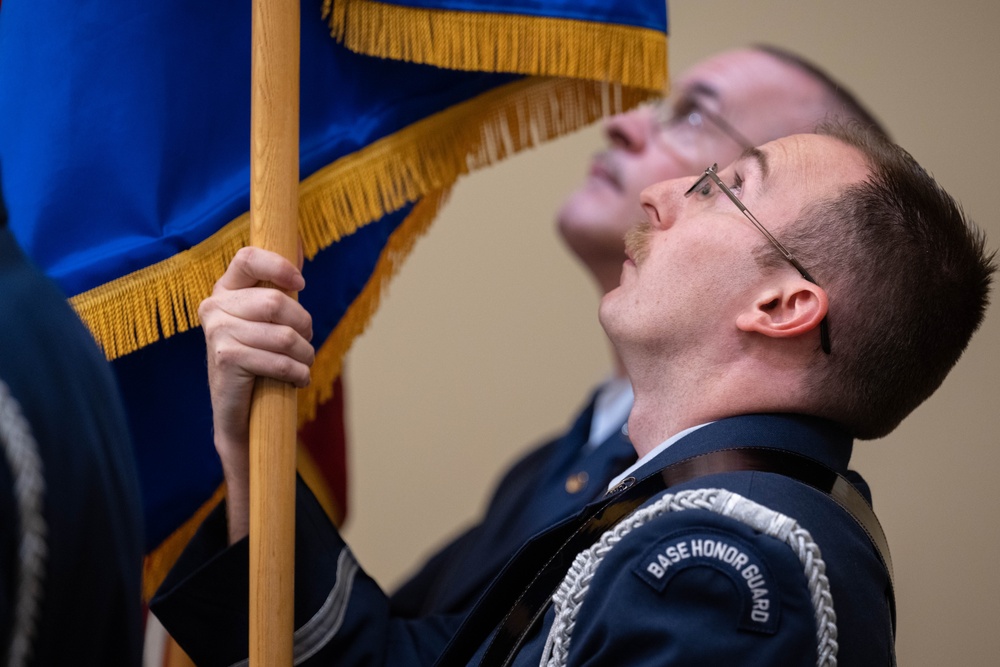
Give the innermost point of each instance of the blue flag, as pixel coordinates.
(124, 135)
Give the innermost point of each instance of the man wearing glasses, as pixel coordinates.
(735, 538)
(717, 109)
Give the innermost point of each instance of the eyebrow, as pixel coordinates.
(699, 88)
(758, 156)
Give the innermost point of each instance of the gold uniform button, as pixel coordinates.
(576, 483)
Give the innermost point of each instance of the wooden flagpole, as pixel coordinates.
(274, 179)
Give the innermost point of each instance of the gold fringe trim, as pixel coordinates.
(133, 311)
(497, 42)
(159, 561)
(433, 152)
(328, 364)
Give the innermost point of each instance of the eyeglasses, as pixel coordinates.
(686, 120)
(704, 186)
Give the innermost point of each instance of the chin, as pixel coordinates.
(606, 311)
(590, 206)
(591, 232)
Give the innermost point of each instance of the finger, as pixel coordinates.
(263, 363)
(277, 339)
(254, 305)
(261, 350)
(253, 265)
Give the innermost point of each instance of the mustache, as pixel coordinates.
(637, 242)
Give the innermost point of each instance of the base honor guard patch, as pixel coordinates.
(725, 553)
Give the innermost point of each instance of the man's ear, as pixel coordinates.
(793, 309)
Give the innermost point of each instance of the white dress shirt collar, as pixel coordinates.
(651, 454)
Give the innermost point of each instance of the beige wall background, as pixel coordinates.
(488, 341)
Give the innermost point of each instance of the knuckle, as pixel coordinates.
(273, 302)
(287, 337)
(286, 367)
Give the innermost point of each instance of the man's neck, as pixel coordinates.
(647, 429)
(667, 403)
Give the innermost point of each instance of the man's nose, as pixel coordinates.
(661, 201)
(630, 131)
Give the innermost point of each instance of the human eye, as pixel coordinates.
(685, 107)
(737, 184)
(680, 114)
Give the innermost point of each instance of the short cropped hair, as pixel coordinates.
(908, 279)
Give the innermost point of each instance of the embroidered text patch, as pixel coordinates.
(726, 553)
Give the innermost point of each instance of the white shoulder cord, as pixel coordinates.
(21, 451)
(569, 597)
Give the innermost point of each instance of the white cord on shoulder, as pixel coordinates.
(569, 597)
(25, 462)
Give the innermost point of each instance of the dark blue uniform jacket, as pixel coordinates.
(648, 603)
(90, 600)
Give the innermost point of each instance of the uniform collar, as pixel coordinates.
(815, 438)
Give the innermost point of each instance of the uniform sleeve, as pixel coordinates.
(341, 615)
(695, 588)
